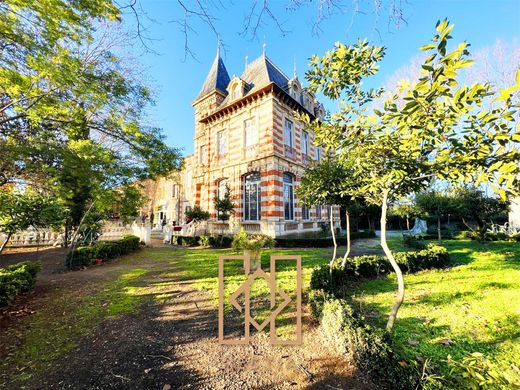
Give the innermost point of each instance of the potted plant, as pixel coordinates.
(252, 244)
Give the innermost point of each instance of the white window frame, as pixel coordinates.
(290, 188)
(290, 133)
(305, 142)
(222, 141)
(258, 188)
(255, 127)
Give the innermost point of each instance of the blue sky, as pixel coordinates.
(177, 81)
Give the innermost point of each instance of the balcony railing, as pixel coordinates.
(251, 151)
(289, 152)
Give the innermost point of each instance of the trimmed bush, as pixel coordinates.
(16, 279)
(371, 350)
(318, 242)
(105, 250)
(434, 256)
(214, 241)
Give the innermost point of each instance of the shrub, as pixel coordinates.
(105, 250)
(412, 242)
(83, 256)
(17, 278)
(252, 242)
(475, 371)
(327, 279)
(318, 242)
(317, 299)
(434, 256)
(205, 240)
(370, 350)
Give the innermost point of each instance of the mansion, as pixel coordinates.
(246, 138)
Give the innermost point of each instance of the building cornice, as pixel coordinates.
(244, 101)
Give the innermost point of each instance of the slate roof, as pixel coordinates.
(259, 73)
(217, 78)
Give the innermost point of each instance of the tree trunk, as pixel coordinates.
(344, 262)
(333, 237)
(407, 223)
(439, 228)
(400, 281)
(6, 241)
(66, 235)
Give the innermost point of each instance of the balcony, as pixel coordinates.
(251, 152)
(289, 152)
(305, 159)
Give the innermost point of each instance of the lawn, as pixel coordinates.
(471, 307)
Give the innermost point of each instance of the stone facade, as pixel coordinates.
(247, 137)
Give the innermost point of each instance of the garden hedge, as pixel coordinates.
(16, 279)
(370, 349)
(104, 250)
(319, 242)
(372, 266)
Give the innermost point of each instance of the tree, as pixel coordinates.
(431, 129)
(436, 204)
(20, 210)
(196, 214)
(328, 182)
(406, 210)
(224, 205)
(473, 206)
(72, 113)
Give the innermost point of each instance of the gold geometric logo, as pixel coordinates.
(245, 291)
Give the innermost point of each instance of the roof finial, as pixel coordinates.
(295, 75)
(218, 45)
(263, 47)
(246, 61)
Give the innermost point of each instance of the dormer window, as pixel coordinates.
(236, 92)
(236, 88)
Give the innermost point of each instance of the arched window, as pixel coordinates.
(288, 197)
(252, 197)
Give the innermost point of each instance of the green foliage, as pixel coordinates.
(252, 242)
(318, 242)
(224, 205)
(478, 211)
(197, 214)
(325, 183)
(413, 242)
(369, 349)
(205, 240)
(335, 280)
(476, 372)
(103, 250)
(17, 278)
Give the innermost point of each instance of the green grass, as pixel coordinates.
(476, 304)
(65, 316)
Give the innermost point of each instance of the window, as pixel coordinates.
(175, 189)
(288, 197)
(318, 153)
(236, 92)
(252, 197)
(222, 143)
(318, 211)
(221, 188)
(305, 142)
(202, 154)
(250, 133)
(288, 133)
(221, 192)
(305, 212)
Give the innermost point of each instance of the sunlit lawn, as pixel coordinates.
(475, 305)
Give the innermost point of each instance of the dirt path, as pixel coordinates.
(173, 345)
